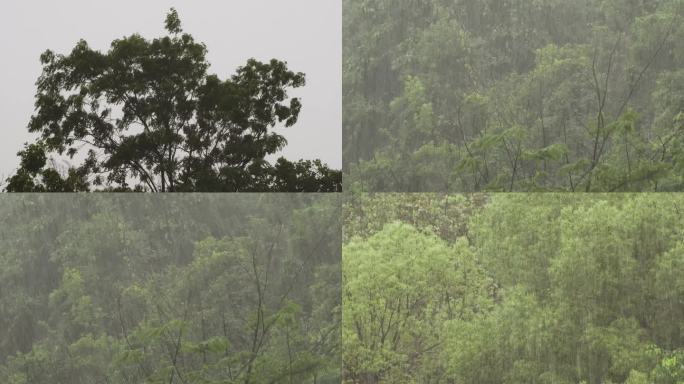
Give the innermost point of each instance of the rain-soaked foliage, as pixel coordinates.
(181, 289)
(514, 95)
(147, 115)
(514, 289)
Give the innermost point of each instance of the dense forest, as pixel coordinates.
(514, 288)
(514, 95)
(187, 289)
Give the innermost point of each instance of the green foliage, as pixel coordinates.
(147, 116)
(190, 289)
(400, 287)
(514, 95)
(527, 288)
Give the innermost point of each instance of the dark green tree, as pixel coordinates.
(147, 116)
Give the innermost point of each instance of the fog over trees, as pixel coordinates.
(514, 95)
(200, 288)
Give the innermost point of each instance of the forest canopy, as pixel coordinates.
(514, 289)
(148, 116)
(514, 95)
(192, 288)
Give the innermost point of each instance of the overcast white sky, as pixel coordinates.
(305, 33)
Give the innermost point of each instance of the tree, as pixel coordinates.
(147, 116)
(525, 288)
(193, 288)
(513, 95)
(401, 287)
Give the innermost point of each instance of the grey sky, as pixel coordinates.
(305, 33)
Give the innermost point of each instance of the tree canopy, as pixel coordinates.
(514, 289)
(514, 95)
(147, 116)
(191, 288)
